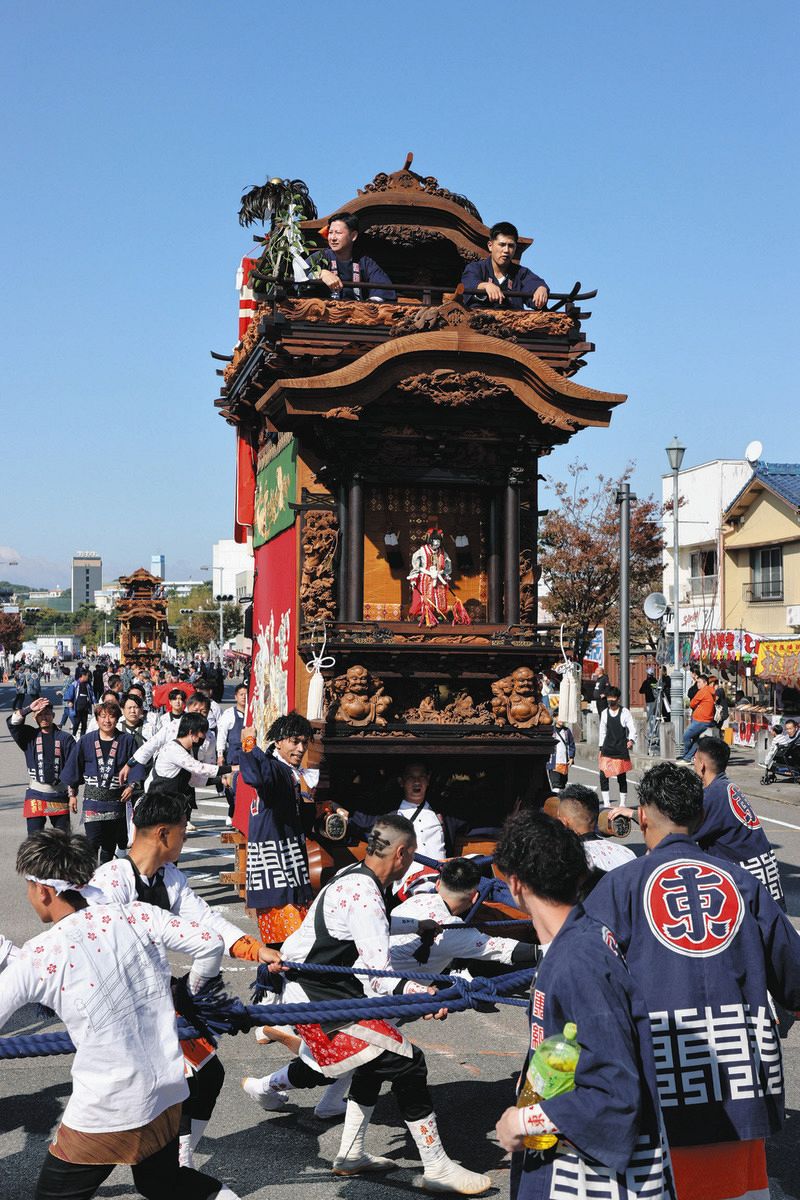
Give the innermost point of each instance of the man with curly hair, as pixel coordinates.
(707, 945)
(278, 881)
(607, 1135)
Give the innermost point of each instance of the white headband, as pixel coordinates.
(87, 890)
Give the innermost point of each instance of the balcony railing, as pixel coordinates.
(704, 586)
(763, 591)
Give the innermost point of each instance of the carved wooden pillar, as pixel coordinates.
(535, 545)
(511, 554)
(341, 560)
(355, 549)
(494, 614)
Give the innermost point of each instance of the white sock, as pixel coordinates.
(338, 1089)
(185, 1150)
(278, 1081)
(198, 1129)
(426, 1135)
(225, 1193)
(356, 1123)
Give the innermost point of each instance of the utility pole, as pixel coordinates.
(624, 498)
(675, 453)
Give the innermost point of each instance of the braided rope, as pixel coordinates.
(231, 1016)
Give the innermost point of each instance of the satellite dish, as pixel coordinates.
(655, 606)
(753, 452)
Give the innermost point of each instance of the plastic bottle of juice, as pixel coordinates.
(551, 1072)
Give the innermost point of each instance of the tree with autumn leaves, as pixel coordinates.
(579, 557)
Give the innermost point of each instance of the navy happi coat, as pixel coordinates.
(611, 1141)
(705, 944)
(732, 830)
(277, 861)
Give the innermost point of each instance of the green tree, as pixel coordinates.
(579, 556)
(195, 632)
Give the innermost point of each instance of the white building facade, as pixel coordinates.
(229, 559)
(704, 492)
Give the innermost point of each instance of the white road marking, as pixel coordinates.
(214, 804)
(773, 821)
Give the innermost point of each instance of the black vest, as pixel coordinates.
(329, 951)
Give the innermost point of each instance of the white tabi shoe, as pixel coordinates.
(449, 1176)
(362, 1165)
(270, 1101)
(334, 1099)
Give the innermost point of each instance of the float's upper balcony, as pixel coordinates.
(423, 238)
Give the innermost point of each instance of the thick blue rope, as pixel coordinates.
(231, 1016)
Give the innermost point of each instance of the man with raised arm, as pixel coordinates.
(488, 282)
(103, 969)
(347, 926)
(707, 946)
(48, 751)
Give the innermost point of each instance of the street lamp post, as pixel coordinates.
(624, 498)
(675, 453)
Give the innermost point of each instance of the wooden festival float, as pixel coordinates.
(362, 426)
(142, 617)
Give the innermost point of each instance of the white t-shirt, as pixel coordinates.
(104, 971)
(606, 855)
(462, 942)
(430, 835)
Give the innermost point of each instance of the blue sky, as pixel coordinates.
(650, 150)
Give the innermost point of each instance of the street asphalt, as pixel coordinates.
(472, 1058)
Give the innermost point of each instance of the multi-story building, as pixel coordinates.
(87, 577)
(761, 545)
(229, 559)
(55, 598)
(158, 565)
(105, 599)
(704, 493)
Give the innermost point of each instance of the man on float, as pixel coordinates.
(488, 282)
(48, 751)
(149, 874)
(347, 926)
(348, 276)
(604, 1137)
(706, 945)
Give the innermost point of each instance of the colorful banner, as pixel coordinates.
(724, 645)
(272, 680)
(245, 489)
(275, 491)
(779, 662)
(596, 652)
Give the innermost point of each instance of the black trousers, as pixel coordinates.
(407, 1076)
(205, 1086)
(105, 836)
(36, 824)
(80, 721)
(156, 1178)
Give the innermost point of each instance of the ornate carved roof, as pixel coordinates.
(452, 368)
(402, 211)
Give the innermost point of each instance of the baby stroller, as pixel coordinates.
(785, 765)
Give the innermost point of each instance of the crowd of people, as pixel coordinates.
(679, 967)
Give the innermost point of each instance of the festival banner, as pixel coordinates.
(779, 662)
(595, 655)
(724, 645)
(272, 680)
(275, 491)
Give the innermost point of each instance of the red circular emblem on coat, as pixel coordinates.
(693, 907)
(741, 808)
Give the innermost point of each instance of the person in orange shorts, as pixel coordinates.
(281, 814)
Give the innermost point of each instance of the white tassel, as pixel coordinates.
(316, 688)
